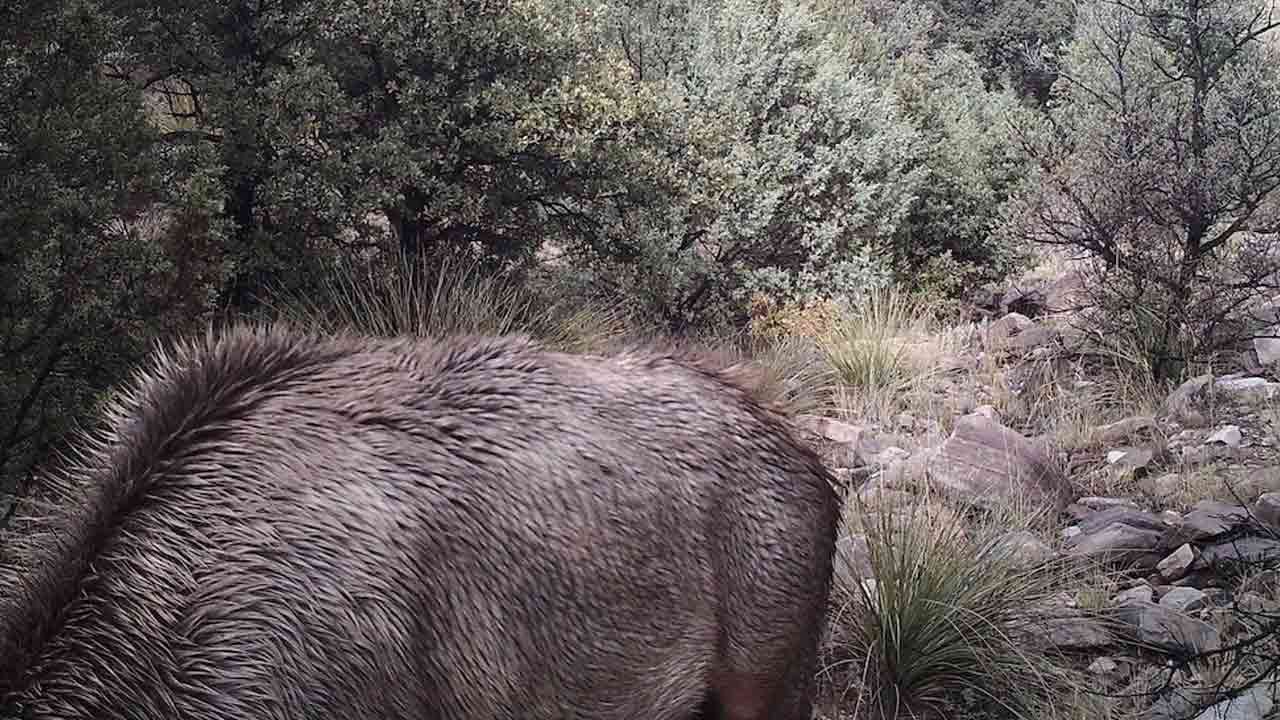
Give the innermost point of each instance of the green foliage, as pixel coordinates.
(791, 165)
(86, 273)
(946, 241)
(1016, 41)
(453, 125)
(1160, 158)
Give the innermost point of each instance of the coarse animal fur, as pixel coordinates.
(279, 524)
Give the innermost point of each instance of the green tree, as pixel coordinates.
(452, 126)
(1016, 41)
(1159, 158)
(86, 276)
(793, 167)
(946, 242)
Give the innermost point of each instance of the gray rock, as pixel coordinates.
(1021, 549)
(984, 463)
(1177, 563)
(1075, 631)
(891, 454)
(1165, 486)
(1210, 518)
(1201, 454)
(1163, 628)
(852, 561)
(1247, 390)
(1001, 332)
(1267, 349)
(1251, 550)
(1267, 509)
(876, 498)
(1184, 599)
(1228, 435)
(1137, 594)
(988, 411)
(1105, 503)
(1130, 458)
(833, 430)
(1122, 430)
(1181, 403)
(1120, 544)
(1127, 516)
(1103, 666)
(1255, 703)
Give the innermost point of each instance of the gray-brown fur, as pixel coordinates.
(280, 525)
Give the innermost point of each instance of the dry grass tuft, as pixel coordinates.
(448, 297)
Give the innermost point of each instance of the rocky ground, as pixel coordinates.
(1173, 495)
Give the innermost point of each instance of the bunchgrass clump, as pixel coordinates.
(867, 346)
(949, 627)
(436, 298)
(794, 372)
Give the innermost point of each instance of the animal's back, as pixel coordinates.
(312, 527)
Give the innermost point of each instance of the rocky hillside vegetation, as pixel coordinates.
(1032, 530)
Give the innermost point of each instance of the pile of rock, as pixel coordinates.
(1176, 560)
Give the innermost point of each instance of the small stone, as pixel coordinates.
(1267, 509)
(987, 411)
(982, 463)
(1079, 513)
(1105, 503)
(852, 561)
(1137, 594)
(1184, 599)
(1071, 531)
(1130, 458)
(1075, 631)
(1001, 332)
(1125, 515)
(1228, 435)
(891, 454)
(1166, 486)
(1120, 544)
(1181, 402)
(1021, 549)
(1247, 390)
(1177, 563)
(833, 430)
(1103, 666)
(1121, 430)
(1170, 518)
(1249, 551)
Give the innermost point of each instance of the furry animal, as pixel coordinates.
(275, 524)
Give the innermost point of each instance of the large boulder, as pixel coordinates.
(985, 463)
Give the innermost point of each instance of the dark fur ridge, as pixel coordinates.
(276, 524)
